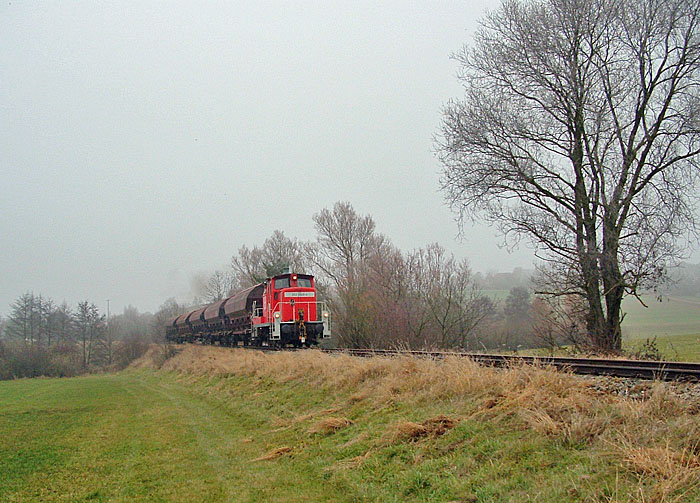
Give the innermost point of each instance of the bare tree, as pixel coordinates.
(248, 267)
(105, 343)
(453, 299)
(219, 286)
(382, 297)
(19, 323)
(394, 284)
(31, 319)
(345, 244)
(277, 254)
(166, 312)
(45, 339)
(90, 328)
(64, 323)
(47, 312)
(280, 253)
(579, 131)
(560, 320)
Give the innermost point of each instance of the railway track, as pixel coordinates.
(642, 369)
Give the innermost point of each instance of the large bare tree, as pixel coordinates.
(579, 130)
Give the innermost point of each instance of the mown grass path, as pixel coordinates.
(110, 437)
(160, 436)
(138, 436)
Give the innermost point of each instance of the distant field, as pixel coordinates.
(239, 426)
(672, 316)
(684, 348)
(674, 321)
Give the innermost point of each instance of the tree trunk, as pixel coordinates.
(586, 237)
(613, 283)
(587, 249)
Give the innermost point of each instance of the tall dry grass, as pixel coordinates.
(657, 438)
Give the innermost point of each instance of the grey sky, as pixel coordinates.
(142, 142)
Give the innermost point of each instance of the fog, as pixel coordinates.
(142, 143)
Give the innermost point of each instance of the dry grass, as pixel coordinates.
(675, 471)
(330, 425)
(354, 462)
(439, 425)
(274, 454)
(409, 431)
(284, 423)
(656, 438)
(154, 357)
(662, 462)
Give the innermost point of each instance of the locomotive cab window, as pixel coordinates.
(305, 282)
(281, 283)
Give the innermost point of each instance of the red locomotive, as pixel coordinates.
(281, 311)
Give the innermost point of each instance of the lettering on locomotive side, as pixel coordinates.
(299, 294)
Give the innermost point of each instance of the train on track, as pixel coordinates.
(282, 311)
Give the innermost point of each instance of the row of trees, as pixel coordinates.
(40, 337)
(383, 297)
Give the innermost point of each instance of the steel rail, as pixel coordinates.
(643, 369)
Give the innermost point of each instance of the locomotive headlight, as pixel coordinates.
(294, 277)
(325, 314)
(277, 314)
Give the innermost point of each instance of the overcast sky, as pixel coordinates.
(144, 142)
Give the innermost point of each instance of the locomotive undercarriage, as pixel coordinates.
(291, 334)
(297, 334)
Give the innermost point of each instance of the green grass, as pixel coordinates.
(670, 317)
(156, 436)
(674, 322)
(105, 438)
(684, 348)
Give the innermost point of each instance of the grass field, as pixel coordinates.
(674, 321)
(236, 426)
(670, 317)
(682, 348)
